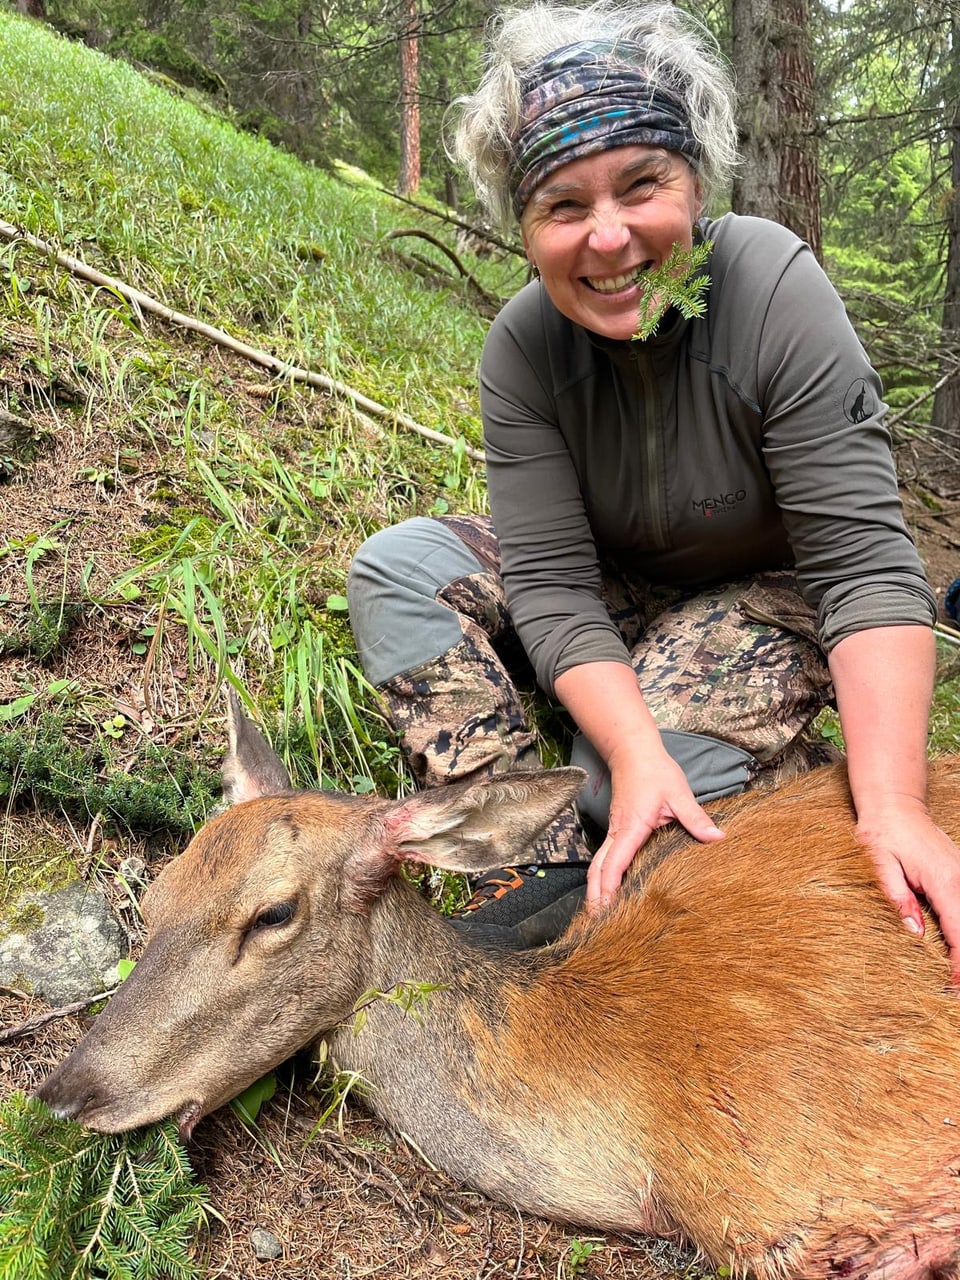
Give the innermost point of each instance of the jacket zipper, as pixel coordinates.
(654, 492)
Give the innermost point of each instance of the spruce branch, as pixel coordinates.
(675, 283)
(78, 1206)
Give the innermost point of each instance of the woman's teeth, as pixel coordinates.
(612, 284)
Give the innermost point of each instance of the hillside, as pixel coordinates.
(173, 515)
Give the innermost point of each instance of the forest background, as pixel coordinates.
(849, 121)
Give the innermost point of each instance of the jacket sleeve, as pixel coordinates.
(550, 567)
(828, 455)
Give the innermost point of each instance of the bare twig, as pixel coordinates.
(485, 297)
(376, 1174)
(17, 995)
(51, 1015)
(140, 301)
(481, 232)
(925, 395)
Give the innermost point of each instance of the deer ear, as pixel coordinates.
(473, 826)
(251, 768)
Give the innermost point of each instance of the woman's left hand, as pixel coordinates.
(914, 856)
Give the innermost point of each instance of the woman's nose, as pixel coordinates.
(610, 232)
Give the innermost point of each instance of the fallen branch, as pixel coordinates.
(39, 1020)
(480, 232)
(144, 302)
(924, 395)
(487, 299)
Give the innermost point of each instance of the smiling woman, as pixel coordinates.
(696, 537)
(595, 227)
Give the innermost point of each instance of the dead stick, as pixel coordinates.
(288, 372)
(41, 1019)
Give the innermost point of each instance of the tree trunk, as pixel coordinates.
(32, 8)
(774, 64)
(409, 179)
(946, 404)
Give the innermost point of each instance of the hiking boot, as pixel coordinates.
(523, 906)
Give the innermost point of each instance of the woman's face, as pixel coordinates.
(594, 226)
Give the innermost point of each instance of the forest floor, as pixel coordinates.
(353, 1200)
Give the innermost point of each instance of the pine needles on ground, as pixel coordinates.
(78, 1206)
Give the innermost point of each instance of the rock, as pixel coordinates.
(134, 871)
(14, 433)
(69, 947)
(265, 1245)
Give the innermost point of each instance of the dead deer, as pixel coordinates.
(747, 1050)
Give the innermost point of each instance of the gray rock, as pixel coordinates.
(134, 871)
(70, 953)
(265, 1245)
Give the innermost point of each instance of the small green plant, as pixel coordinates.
(247, 1105)
(578, 1255)
(675, 283)
(114, 726)
(409, 997)
(78, 1206)
(48, 761)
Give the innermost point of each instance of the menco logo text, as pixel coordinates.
(719, 502)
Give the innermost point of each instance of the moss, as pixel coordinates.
(25, 917)
(46, 762)
(30, 865)
(42, 632)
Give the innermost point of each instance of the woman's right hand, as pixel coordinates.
(647, 793)
(649, 789)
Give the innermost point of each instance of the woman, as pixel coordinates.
(698, 538)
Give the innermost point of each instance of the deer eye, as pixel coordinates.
(279, 913)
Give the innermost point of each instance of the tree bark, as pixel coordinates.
(409, 180)
(774, 63)
(946, 404)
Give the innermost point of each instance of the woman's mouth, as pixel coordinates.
(615, 284)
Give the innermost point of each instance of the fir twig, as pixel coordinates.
(675, 283)
(78, 1206)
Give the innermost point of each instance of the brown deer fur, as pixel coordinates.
(748, 1049)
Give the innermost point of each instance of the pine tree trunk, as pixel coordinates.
(946, 404)
(409, 179)
(774, 64)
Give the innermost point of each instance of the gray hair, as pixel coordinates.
(681, 55)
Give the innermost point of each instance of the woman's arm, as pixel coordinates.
(883, 678)
(648, 787)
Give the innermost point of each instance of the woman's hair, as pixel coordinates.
(680, 56)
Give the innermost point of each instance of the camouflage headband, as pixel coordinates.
(585, 98)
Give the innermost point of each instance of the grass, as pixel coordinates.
(224, 226)
(248, 512)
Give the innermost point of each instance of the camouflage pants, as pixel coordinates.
(735, 672)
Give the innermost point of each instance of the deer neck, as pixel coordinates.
(436, 1075)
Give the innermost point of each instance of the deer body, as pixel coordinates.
(748, 1049)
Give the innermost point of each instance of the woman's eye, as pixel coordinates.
(565, 206)
(279, 913)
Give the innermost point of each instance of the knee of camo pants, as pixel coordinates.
(392, 591)
(423, 609)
